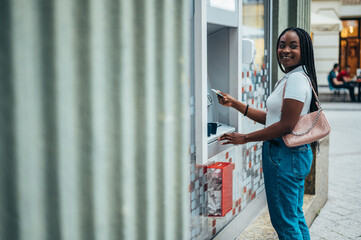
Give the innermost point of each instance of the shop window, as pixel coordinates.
(343, 51)
(350, 50)
(352, 54)
(350, 28)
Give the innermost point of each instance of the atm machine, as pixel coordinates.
(219, 54)
(221, 175)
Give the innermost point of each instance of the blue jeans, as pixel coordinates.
(285, 170)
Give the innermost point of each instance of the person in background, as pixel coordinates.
(342, 80)
(344, 75)
(284, 168)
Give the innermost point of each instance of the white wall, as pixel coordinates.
(325, 43)
(327, 8)
(350, 11)
(326, 50)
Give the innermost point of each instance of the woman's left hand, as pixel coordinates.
(233, 138)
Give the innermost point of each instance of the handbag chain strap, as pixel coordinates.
(317, 103)
(308, 130)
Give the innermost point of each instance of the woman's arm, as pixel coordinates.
(291, 111)
(252, 113)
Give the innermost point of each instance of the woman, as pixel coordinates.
(284, 169)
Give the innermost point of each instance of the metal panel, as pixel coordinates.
(200, 80)
(94, 126)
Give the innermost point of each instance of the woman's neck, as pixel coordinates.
(289, 69)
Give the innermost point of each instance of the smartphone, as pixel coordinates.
(214, 90)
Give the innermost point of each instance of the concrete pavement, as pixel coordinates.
(340, 218)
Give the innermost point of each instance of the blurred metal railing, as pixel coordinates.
(94, 126)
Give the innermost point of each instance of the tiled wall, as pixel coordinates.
(255, 91)
(247, 175)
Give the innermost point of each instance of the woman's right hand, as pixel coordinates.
(227, 100)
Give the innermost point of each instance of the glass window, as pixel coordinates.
(255, 81)
(359, 49)
(350, 28)
(253, 28)
(352, 54)
(343, 54)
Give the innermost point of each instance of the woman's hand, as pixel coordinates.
(233, 138)
(227, 100)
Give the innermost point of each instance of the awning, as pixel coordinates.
(321, 22)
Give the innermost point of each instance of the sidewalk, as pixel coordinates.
(340, 218)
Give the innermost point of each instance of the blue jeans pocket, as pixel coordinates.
(274, 152)
(302, 160)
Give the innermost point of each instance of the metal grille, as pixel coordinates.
(94, 119)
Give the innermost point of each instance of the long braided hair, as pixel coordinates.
(307, 61)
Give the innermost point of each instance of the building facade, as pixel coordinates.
(335, 27)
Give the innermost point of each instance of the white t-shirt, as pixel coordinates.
(297, 88)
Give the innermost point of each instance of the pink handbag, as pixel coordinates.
(310, 127)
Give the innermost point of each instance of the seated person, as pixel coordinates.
(344, 77)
